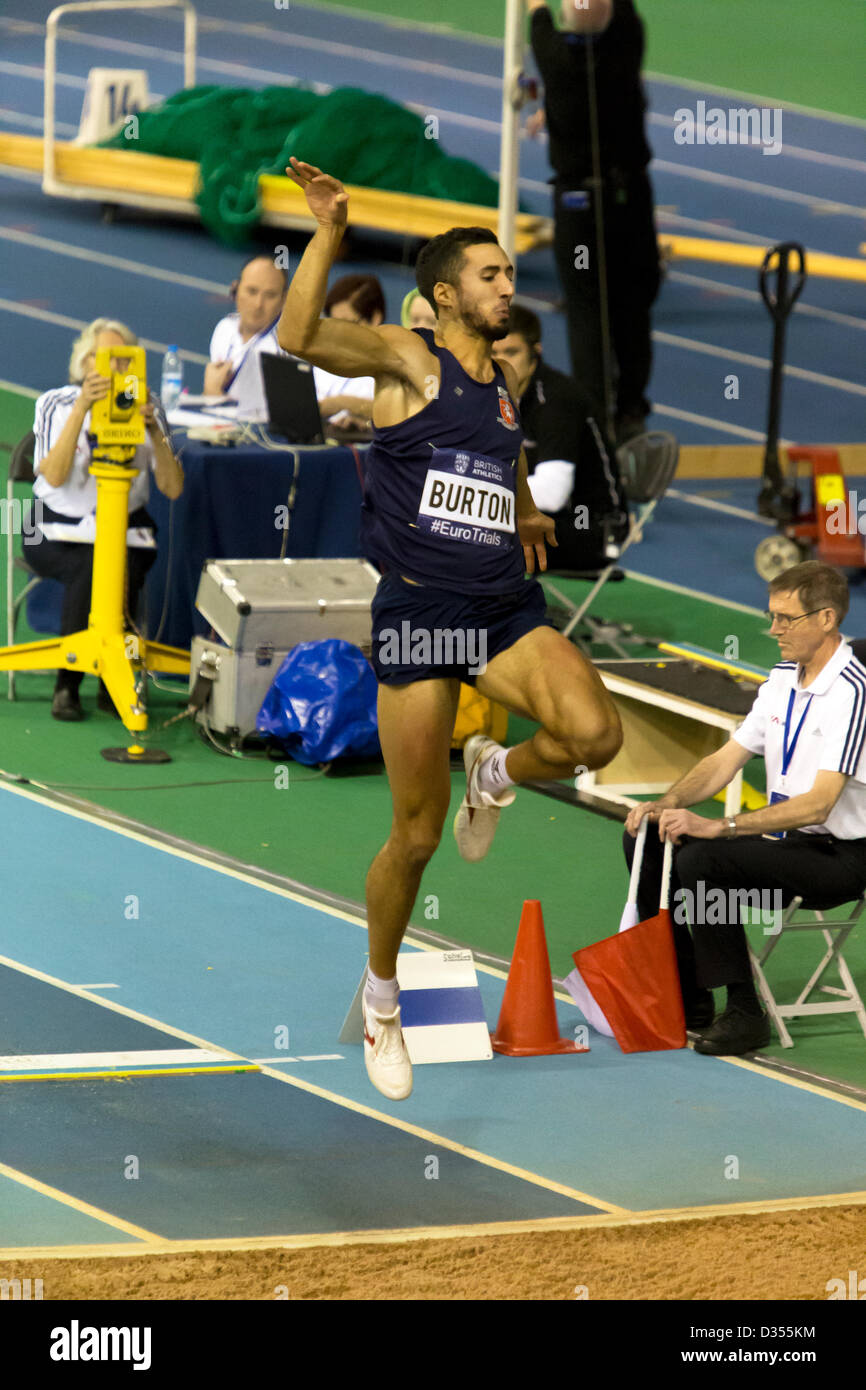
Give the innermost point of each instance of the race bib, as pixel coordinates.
(468, 497)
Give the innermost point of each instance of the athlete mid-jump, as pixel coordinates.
(449, 519)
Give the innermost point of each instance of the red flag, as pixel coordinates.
(634, 980)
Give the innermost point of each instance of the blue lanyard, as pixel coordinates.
(257, 337)
(788, 748)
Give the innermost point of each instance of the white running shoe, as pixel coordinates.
(385, 1055)
(476, 821)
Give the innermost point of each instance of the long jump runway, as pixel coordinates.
(152, 994)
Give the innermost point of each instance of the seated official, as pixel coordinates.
(65, 493)
(238, 339)
(417, 312)
(349, 400)
(573, 477)
(808, 722)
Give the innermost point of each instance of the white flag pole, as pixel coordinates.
(509, 145)
(630, 913)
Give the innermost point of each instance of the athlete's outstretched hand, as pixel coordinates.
(536, 531)
(326, 197)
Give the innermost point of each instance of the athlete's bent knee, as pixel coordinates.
(596, 742)
(416, 842)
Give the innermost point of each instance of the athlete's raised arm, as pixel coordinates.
(340, 346)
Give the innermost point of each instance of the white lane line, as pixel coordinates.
(312, 1057)
(35, 122)
(261, 76)
(712, 505)
(37, 74)
(749, 360)
(716, 230)
(81, 993)
(20, 390)
(66, 1199)
(128, 266)
(124, 263)
(28, 311)
(60, 1061)
(97, 986)
(708, 598)
(704, 282)
(692, 85)
(761, 190)
(344, 50)
(837, 161)
(756, 436)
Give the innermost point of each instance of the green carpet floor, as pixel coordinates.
(784, 50)
(323, 831)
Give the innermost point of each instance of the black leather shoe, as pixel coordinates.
(66, 705)
(700, 1011)
(735, 1033)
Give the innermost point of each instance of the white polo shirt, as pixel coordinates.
(329, 385)
(247, 387)
(832, 737)
(77, 496)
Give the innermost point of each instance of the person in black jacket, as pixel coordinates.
(573, 476)
(616, 32)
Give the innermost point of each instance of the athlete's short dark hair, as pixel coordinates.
(527, 324)
(442, 258)
(816, 586)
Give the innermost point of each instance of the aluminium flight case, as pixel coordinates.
(260, 610)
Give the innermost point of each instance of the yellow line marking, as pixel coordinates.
(416, 1233)
(715, 662)
(487, 1159)
(116, 1075)
(77, 1205)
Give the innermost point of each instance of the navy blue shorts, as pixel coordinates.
(421, 633)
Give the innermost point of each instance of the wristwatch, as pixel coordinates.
(731, 826)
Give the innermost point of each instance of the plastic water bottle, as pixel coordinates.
(172, 378)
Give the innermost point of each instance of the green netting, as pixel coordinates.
(235, 134)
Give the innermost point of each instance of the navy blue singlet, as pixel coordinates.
(440, 501)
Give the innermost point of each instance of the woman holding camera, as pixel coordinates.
(65, 494)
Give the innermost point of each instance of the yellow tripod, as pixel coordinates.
(104, 649)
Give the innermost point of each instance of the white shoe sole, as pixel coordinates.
(392, 1079)
(475, 825)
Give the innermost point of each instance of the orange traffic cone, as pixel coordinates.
(527, 1024)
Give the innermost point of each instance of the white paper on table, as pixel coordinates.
(84, 533)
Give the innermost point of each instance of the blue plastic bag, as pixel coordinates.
(322, 704)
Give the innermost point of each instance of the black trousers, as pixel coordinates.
(71, 563)
(824, 871)
(633, 279)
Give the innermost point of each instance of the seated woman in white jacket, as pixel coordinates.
(65, 495)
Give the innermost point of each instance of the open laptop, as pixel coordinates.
(293, 408)
(290, 391)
